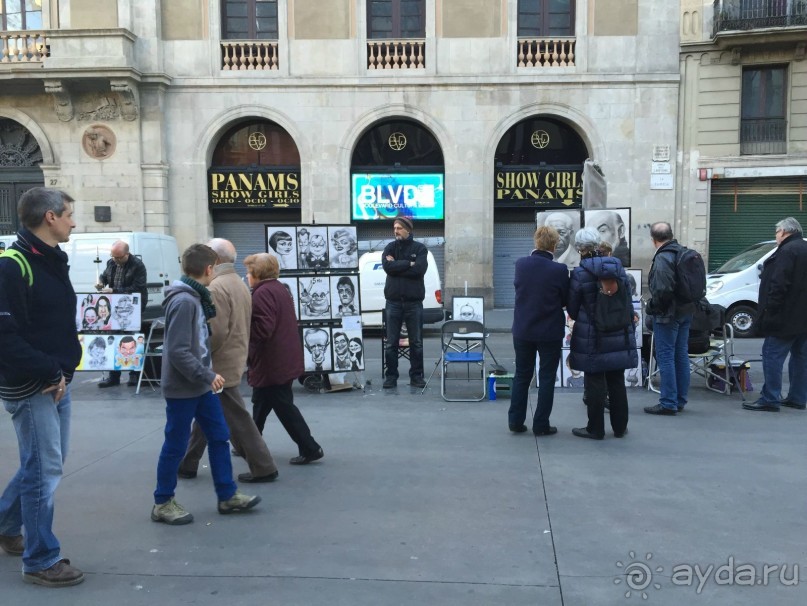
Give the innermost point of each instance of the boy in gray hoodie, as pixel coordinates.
(188, 385)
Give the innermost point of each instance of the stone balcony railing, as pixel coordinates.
(23, 47)
(396, 54)
(546, 52)
(249, 55)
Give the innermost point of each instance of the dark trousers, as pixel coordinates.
(396, 314)
(244, 436)
(549, 354)
(281, 399)
(598, 387)
(114, 375)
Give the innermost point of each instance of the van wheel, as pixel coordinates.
(742, 319)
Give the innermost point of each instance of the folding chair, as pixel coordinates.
(151, 353)
(471, 354)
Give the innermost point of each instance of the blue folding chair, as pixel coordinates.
(471, 336)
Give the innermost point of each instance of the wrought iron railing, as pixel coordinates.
(745, 15)
(763, 136)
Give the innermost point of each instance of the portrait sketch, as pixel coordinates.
(315, 298)
(317, 349)
(111, 352)
(613, 224)
(345, 296)
(468, 309)
(635, 279)
(291, 286)
(558, 373)
(571, 378)
(315, 240)
(344, 247)
(341, 350)
(355, 346)
(567, 223)
(282, 244)
(107, 312)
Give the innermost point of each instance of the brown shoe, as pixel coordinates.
(61, 574)
(12, 545)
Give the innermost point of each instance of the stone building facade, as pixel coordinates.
(127, 104)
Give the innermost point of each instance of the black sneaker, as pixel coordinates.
(792, 404)
(418, 382)
(658, 409)
(109, 383)
(389, 383)
(583, 432)
(549, 430)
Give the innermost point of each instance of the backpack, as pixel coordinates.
(613, 309)
(690, 276)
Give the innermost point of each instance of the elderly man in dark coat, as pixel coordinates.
(782, 321)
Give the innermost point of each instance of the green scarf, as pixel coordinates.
(207, 302)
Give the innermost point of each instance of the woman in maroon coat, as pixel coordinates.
(275, 357)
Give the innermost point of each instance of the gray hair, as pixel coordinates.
(224, 249)
(587, 240)
(36, 202)
(789, 226)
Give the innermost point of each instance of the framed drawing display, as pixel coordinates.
(571, 378)
(344, 248)
(317, 349)
(314, 238)
(291, 286)
(345, 298)
(614, 227)
(282, 244)
(111, 352)
(567, 223)
(635, 279)
(107, 312)
(314, 297)
(469, 309)
(558, 373)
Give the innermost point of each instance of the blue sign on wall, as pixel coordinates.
(379, 197)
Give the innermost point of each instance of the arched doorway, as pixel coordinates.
(254, 179)
(397, 168)
(20, 159)
(538, 166)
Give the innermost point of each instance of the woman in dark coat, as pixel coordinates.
(538, 326)
(275, 355)
(604, 356)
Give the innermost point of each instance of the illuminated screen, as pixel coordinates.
(378, 197)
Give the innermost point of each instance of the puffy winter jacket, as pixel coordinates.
(404, 280)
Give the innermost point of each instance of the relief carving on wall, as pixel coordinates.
(99, 142)
(104, 108)
(62, 101)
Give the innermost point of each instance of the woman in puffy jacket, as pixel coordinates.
(602, 356)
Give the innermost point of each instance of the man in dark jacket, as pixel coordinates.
(671, 321)
(782, 321)
(124, 274)
(405, 262)
(37, 324)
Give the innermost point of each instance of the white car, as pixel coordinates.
(371, 283)
(735, 286)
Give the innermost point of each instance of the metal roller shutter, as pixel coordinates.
(510, 242)
(248, 238)
(744, 212)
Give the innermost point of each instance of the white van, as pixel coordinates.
(88, 254)
(735, 286)
(371, 282)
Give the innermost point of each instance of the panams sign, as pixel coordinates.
(254, 189)
(545, 188)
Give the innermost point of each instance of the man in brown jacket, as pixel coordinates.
(229, 340)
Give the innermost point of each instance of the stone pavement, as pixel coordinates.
(419, 501)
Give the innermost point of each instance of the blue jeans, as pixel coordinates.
(180, 412)
(671, 343)
(43, 431)
(397, 313)
(549, 354)
(774, 352)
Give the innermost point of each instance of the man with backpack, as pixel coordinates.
(676, 281)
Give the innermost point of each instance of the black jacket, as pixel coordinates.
(592, 352)
(542, 287)
(134, 278)
(38, 323)
(404, 280)
(783, 291)
(661, 282)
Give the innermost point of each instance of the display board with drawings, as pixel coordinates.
(613, 225)
(105, 351)
(319, 266)
(300, 248)
(468, 309)
(107, 312)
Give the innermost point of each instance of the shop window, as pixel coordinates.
(396, 19)
(763, 127)
(545, 18)
(258, 143)
(16, 15)
(249, 19)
